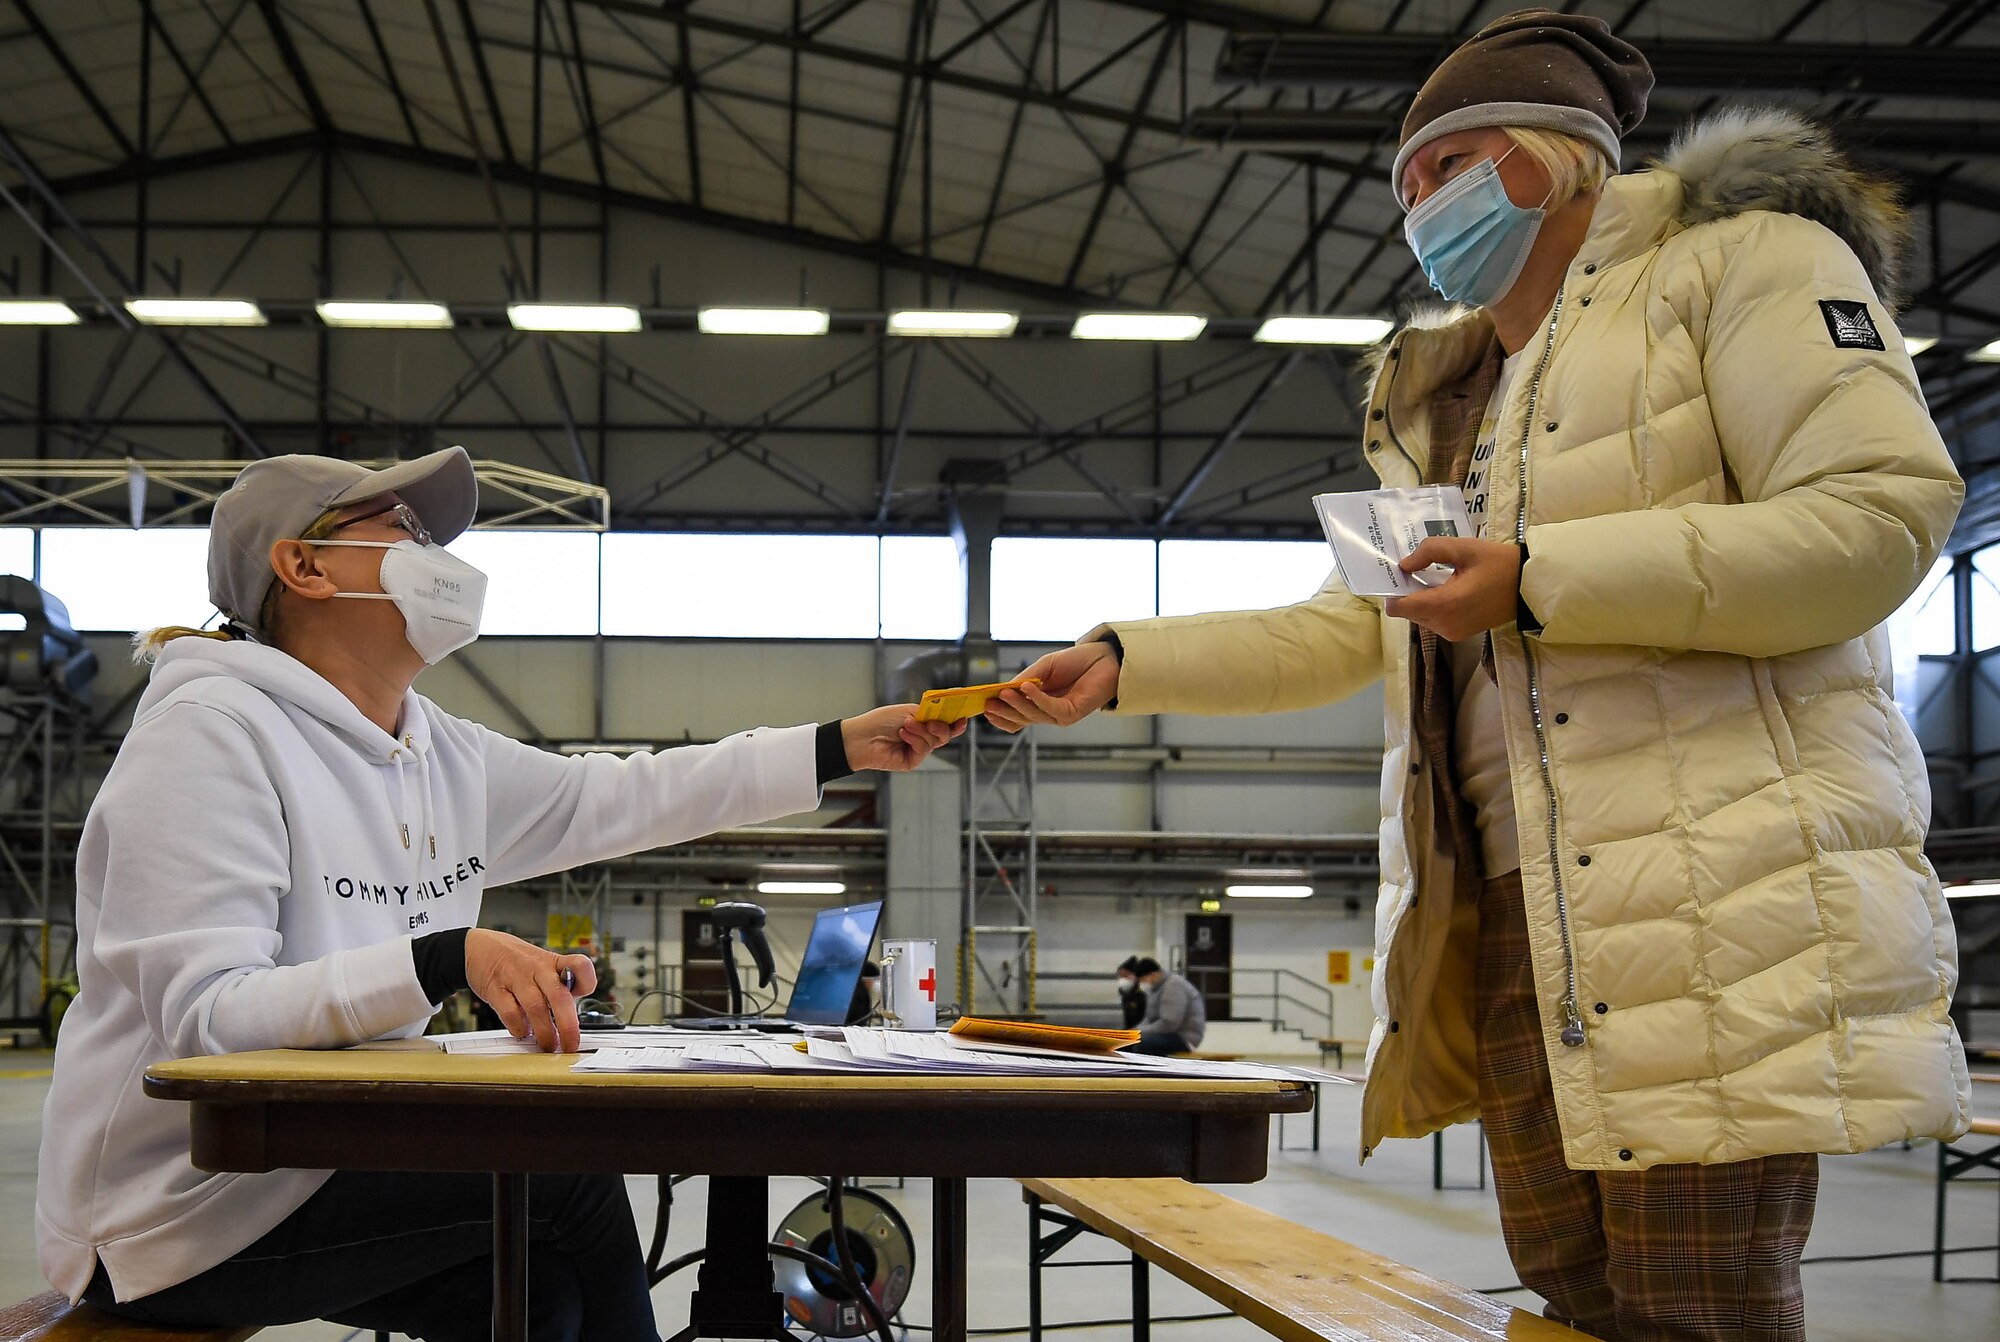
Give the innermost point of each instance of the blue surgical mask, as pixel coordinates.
(1471, 240)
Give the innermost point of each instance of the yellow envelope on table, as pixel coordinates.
(966, 701)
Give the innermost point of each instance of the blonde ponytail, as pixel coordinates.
(147, 644)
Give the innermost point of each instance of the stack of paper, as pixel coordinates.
(853, 1049)
(499, 1041)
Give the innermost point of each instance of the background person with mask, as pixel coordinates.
(1654, 898)
(1176, 1015)
(1131, 997)
(289, 852)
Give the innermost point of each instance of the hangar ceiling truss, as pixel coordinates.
(1227, 158)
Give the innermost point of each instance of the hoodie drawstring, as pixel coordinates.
(430, 809)
(402, 797)
(427, 818)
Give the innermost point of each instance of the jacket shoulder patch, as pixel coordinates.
(1850, 325)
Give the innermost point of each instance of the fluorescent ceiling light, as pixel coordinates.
(37, 312)
(762, 321)
(196, 312)
(409, 316)
(573, 317)
(1267, 891)
(1915, 345)
(1987, 353)
(1323, 330)
(1973, 890)
(801, 887)
(910, 322)
(1138, 326)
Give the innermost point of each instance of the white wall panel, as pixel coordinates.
(1084, 801)
(1350, 722)
(1252, 803)
(660, 690)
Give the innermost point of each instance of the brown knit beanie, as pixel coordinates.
(1534, 67)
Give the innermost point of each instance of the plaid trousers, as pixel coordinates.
(1674, 1253)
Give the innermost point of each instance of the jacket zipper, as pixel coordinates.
(1572, 1031)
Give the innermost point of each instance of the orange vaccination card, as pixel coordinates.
(967, 701)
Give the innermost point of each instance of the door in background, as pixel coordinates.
(1208, 960)
(703, 985)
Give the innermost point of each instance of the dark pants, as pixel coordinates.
(1674, 1253)
(1158, 1042)
(413, 1254)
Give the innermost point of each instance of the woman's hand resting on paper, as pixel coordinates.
(523, 984)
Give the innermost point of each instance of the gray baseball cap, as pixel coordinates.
(279, 497)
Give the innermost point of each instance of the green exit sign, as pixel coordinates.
(1211, 906)
(706, 902)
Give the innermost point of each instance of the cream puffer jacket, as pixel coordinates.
(1723, 494)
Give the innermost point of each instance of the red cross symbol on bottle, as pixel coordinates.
(929, 984)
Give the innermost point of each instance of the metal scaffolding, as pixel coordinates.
(998, 953)
(46, 784)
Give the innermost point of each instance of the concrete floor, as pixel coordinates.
(1875, 1203)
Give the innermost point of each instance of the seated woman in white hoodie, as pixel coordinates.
(289, 852)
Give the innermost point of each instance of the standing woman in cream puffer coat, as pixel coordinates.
(1654, 901)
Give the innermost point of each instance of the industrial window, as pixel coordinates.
(17, 551)
(121, 581)
(1985, 598)
(740, 586)
(538, 582)
(923, 592)
(1054, 589)
(1198, 576)
(1925, 624)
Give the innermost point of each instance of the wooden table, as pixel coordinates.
(520, 1114)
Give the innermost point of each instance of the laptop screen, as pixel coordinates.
(832, 964)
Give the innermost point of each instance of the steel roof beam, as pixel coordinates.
(1404, 60)
(586, 103)
(1304, 129)
(192, 80)
(76, 79)
(59, 212)
(891, 63)
(295, 67)
(1114, 171)
(485, 74)
(389, 70)
(515, 174)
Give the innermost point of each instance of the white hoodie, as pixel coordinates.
(251, 875)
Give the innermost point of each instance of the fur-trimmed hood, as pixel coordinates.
(1772, 158)
(1732, 162)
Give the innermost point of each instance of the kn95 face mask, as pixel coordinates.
(440, 595)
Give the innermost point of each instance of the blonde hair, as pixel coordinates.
(1575, 166)
(146, 644)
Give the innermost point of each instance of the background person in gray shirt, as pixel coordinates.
(1176, 1017)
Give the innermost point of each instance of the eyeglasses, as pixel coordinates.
(400, 515)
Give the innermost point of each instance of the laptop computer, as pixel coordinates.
(828, 974)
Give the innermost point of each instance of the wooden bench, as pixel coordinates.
(1294, 1283)
(1955, 1162)
(52, 1318)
